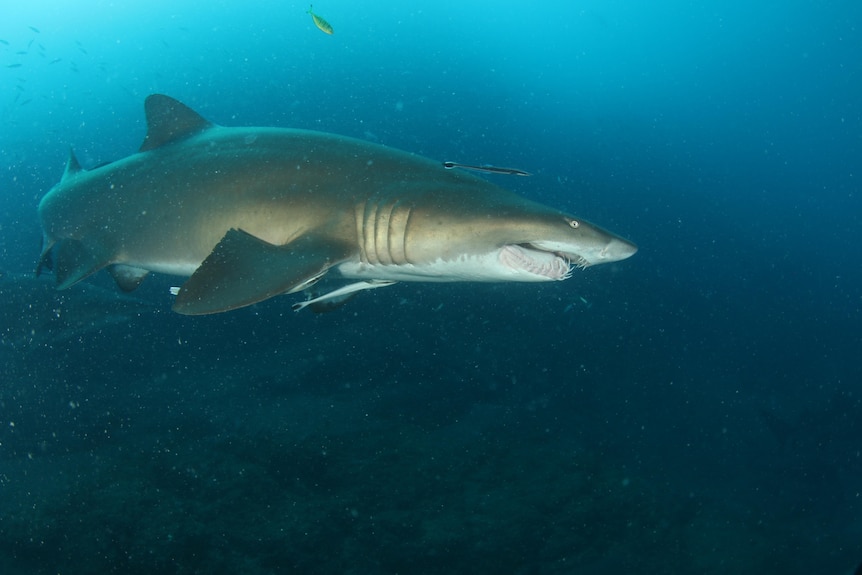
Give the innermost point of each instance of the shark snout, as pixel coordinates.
(616, 249)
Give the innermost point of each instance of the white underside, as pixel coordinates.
(508, 264)
(168, 268)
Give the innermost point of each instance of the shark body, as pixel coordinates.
(250, 213)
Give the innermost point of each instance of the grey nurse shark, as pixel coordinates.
(251, 213)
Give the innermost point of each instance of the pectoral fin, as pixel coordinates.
(243, 269)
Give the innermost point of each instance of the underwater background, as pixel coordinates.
(694, 409)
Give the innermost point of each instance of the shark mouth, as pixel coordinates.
(551, 265)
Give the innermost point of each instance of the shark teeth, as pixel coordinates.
(537, 262)
(581, 263)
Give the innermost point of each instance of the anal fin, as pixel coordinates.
(127, 277)
(243, 269)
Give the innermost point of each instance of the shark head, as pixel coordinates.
(496, 236)
(579, 242)
(546, 246)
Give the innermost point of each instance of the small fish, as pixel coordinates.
(4, 42)
(34, 29)
(322, 24)
(336, 298)
(13, 65)
(488, 169)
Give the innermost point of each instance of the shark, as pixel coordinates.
(249, 213)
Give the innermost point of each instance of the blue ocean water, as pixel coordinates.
(694, 409)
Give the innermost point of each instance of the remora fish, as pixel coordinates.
(250, 213)
(487, 169)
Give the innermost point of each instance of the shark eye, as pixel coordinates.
(573, 223)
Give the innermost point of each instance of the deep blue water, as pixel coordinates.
(694, 409)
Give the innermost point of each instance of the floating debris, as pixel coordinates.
(322, 24)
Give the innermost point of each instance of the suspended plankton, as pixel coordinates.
(322, 24)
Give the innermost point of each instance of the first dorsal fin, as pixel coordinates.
(170, 120)
(73, 166)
